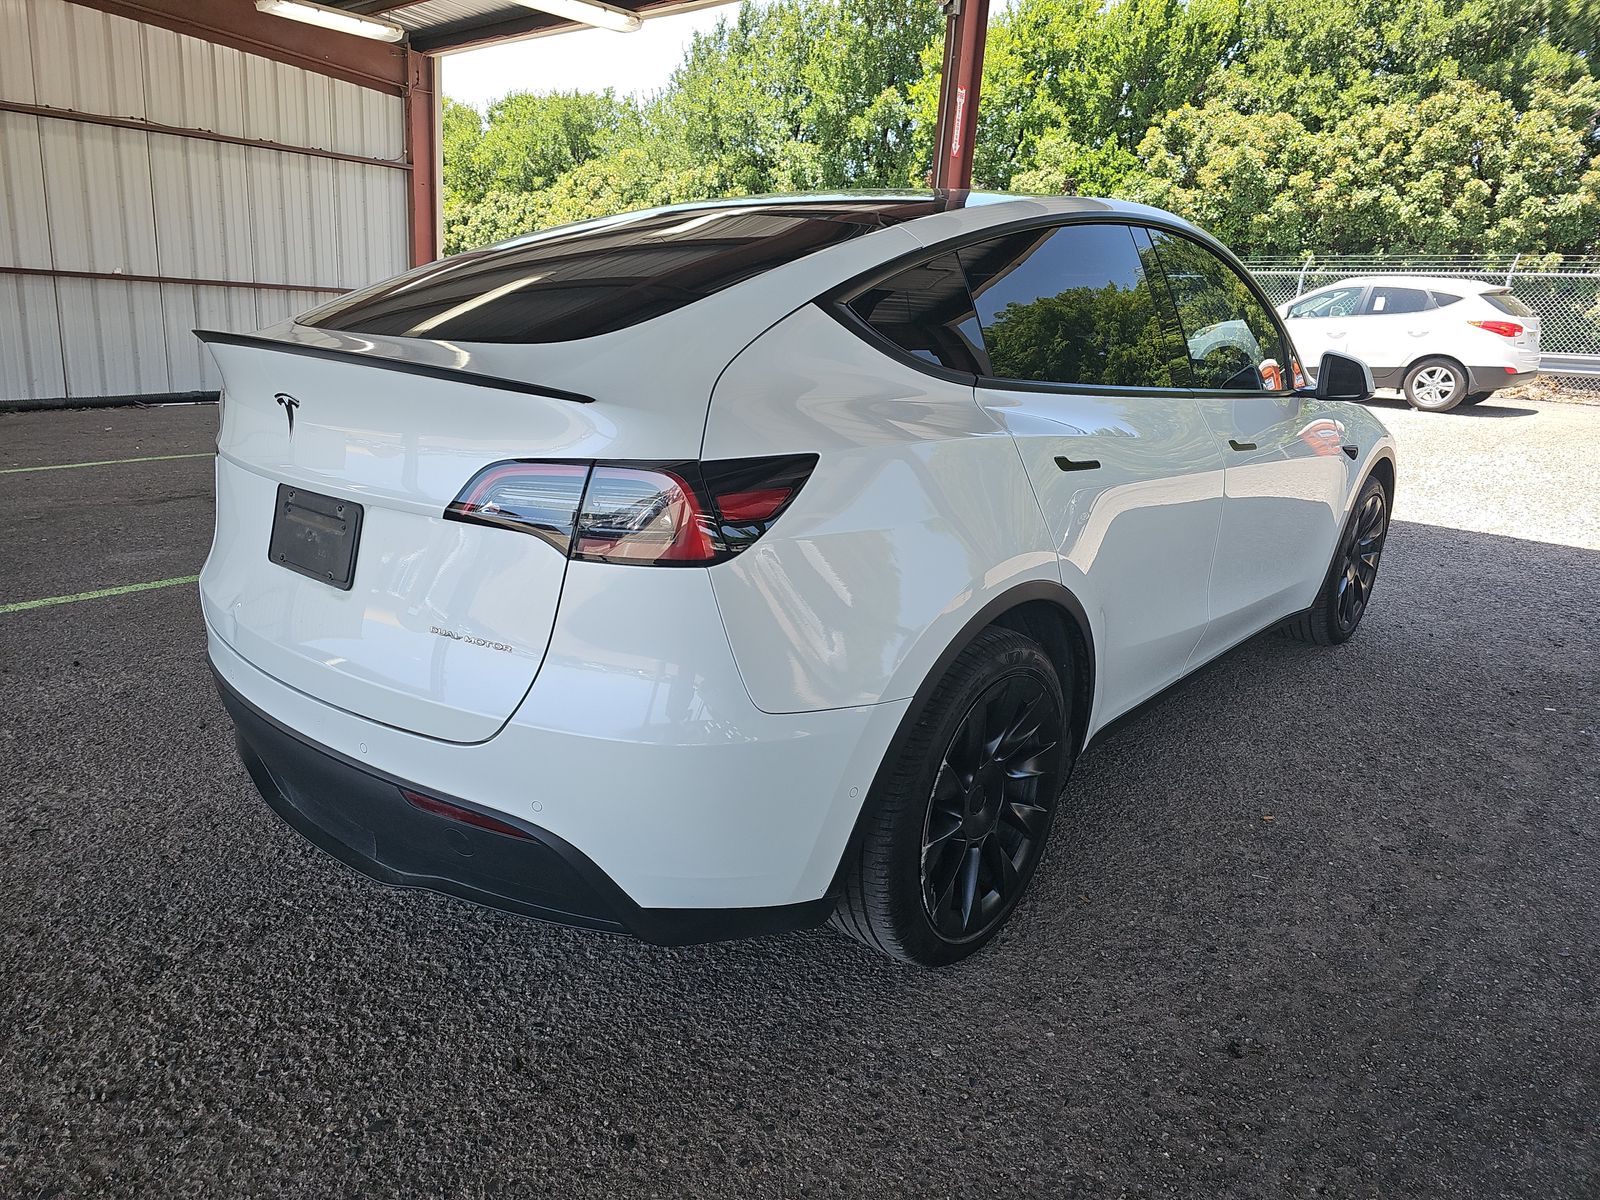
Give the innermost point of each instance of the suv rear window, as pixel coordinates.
(1397, 300)
(585, 282)
(1508, 304)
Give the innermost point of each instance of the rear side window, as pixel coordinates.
(1508, 304)
(1232, 339)
(1444, 298)
(1072, 305)
(1388, 300)
(592, 281)
(926, 310)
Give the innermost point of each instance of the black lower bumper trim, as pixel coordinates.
(359, 816)
(1492, 379)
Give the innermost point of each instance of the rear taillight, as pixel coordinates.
(643, 515)
(532, 497)
(651, 514)
(1503, 328)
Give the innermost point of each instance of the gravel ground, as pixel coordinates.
(1321, 922)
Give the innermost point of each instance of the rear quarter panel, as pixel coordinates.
(918, 513)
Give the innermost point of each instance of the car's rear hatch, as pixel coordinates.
(346, 435)
(441, 626)
(1525, 343)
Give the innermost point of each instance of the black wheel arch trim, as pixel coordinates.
(989, 614)
(1466, 372)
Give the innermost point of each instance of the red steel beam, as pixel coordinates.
(236, 23)
(965, 32)
(422, 152)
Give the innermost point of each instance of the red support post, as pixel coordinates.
(422, 152)
(966, 30)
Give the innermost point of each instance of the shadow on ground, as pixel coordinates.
(1319, 921)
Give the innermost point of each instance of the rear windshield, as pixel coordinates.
(592, 281)
(1507, 303)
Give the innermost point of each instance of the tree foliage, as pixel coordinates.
(1285, 126)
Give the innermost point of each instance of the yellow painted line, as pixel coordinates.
(23, 605)
(104, 462)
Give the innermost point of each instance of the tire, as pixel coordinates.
(1347, 589)
(930, 883)
(1435, 385)
(1476, 398)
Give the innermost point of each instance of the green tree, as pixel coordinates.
(1441, 126)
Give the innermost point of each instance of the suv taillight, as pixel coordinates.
(650, 514)
(1503, 328)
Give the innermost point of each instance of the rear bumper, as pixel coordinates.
(360, 817)
(1492, 379)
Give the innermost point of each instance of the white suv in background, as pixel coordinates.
(1442, 342)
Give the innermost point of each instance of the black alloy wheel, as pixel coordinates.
(1347, 590)
(1363, 547)
(987, 813)
(958, 817)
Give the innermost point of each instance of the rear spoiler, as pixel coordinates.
(427, 370)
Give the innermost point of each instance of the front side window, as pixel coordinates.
(1335, 302)
(1232, 338)
(1386, 300)
(926, 310)
(1072, 305)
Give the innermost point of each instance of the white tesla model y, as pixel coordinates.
(726, 568)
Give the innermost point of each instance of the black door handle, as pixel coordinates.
(1085, 464)
(1241, 445)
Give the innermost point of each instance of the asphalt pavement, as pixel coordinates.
(1318, 923)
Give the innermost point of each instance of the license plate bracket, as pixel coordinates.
(316, 536)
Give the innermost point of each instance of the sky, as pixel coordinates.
(588, 60)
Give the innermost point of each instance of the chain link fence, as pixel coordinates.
(1565, 294)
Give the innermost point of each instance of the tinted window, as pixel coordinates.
(1443, 298)
(1397, 300)
(927, 311)
(578, 283)
(1071, 305)
(1232, 338)
(1335, 302)
(1508, 304)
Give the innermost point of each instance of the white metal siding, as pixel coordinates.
(76, 196)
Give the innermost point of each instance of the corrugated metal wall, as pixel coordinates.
(76, 196)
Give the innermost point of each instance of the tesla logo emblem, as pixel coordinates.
(289, 405)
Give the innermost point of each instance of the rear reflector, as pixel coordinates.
(646, 514)
(465, 816)
(1503, 328)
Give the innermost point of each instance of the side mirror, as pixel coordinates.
(1341, 377)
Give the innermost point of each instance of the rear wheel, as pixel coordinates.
(959, 818)
(1436, 385)
(1342, 602)
(1476, 398)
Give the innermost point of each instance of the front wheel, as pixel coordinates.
(1435, 385)
(1342, 602)
(958, 819)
